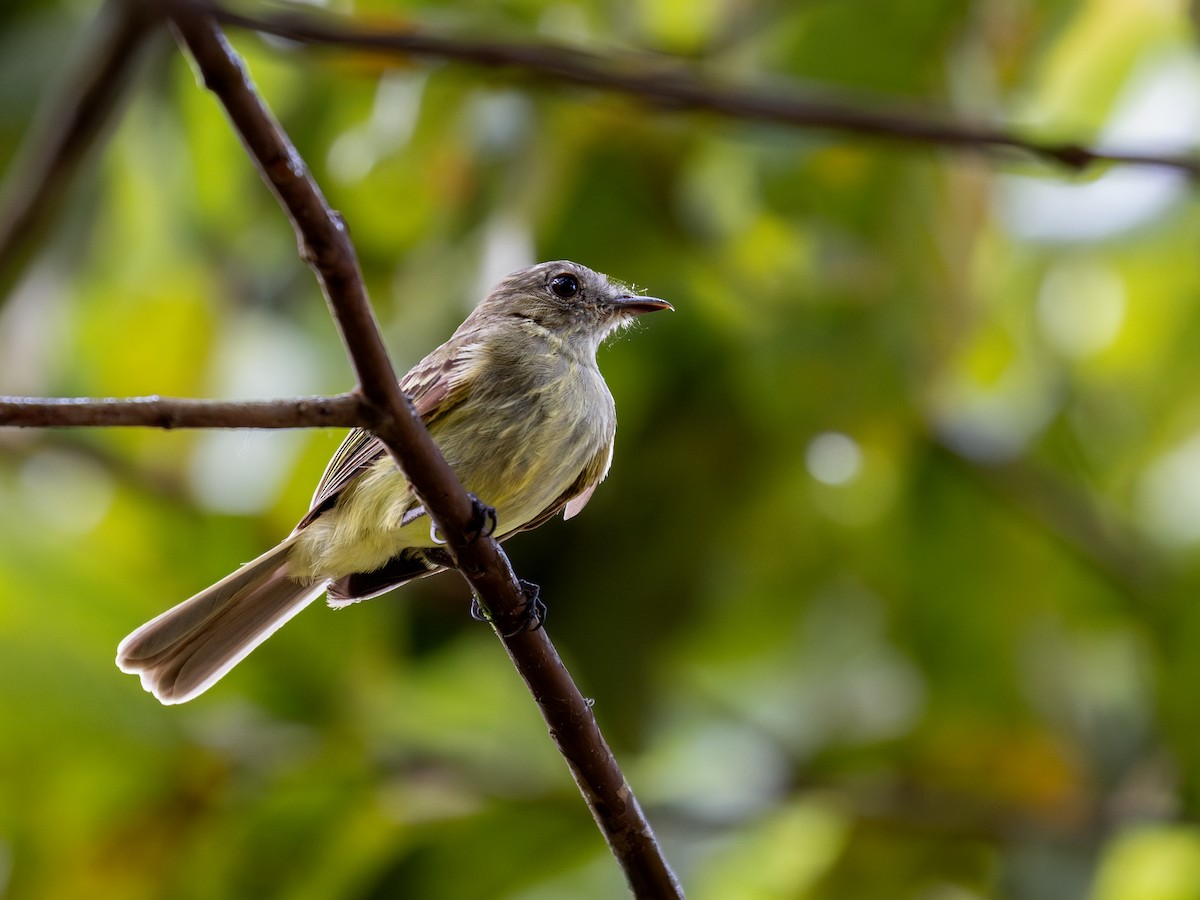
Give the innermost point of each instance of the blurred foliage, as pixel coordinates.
(891, 591)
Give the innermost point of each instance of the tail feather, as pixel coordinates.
(184, 651)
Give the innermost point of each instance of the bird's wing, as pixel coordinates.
(435, 386)
(575, 497)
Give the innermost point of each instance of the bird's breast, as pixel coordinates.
(518, 440)
(528, 440)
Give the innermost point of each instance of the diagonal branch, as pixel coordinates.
(327, 249)
(341, 411)
(676, 87)
(72, 120)
(1096, 537)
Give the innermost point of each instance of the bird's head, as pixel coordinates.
(569, 300)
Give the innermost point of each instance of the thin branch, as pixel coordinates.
(327, 249)
(677, 87)
(341, 411)
(71, 121)
(1092, 534)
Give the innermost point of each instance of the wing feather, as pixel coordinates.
(435, 386)
(575, 497)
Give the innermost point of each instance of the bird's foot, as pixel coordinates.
(533, 613)
(483, 520)
(478, 613)
(530, 617)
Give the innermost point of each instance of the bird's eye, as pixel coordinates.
(565, 286)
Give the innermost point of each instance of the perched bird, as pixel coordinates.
(519, 409)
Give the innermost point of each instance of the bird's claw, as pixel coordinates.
(478, 613)
(483, 519)
(531, 616)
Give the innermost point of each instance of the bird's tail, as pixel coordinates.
(188, 648)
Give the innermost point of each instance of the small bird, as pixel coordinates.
(519, 409)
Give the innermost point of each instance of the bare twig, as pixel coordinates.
(341, 411)
(680, 88)
(71, 121)
(326, 247)
(1079, 523)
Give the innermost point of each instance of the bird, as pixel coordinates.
(515, 402)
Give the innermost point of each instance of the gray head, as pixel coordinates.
(568, 299)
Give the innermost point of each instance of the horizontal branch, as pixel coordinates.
(678, 87)
(340, 411)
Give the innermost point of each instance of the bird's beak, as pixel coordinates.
(635, 306)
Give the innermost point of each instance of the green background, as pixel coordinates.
(891, 591)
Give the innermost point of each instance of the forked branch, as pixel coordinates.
(326, 247)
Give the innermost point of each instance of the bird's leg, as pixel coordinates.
(483, 520)
(531, 616)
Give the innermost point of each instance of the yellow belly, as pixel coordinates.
(519, 457)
